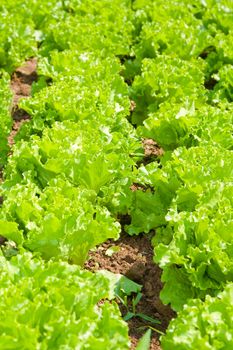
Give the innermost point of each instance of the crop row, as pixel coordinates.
(183, 95)
(72, 166)
(66, 178)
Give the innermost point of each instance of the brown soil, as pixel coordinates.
(21, 83)
(151, 148)
(22, 80)
(135, 260)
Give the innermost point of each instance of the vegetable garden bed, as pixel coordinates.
(116, 157)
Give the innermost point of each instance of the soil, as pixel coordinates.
(151, 149)
(21, 83)
(22, 80)
(134, 259)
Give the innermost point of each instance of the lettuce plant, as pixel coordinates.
(167, 79)
(204, 324)
(17, 39)
(92, 157)
(62, 221)
(85, 87)
(55, 305)
(185, 124)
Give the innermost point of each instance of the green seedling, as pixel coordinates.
(133, 312)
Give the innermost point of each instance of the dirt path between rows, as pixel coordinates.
(21, 84)
(134, 259)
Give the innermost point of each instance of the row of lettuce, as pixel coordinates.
(69, 172)
(183, 95)
(74, 162)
